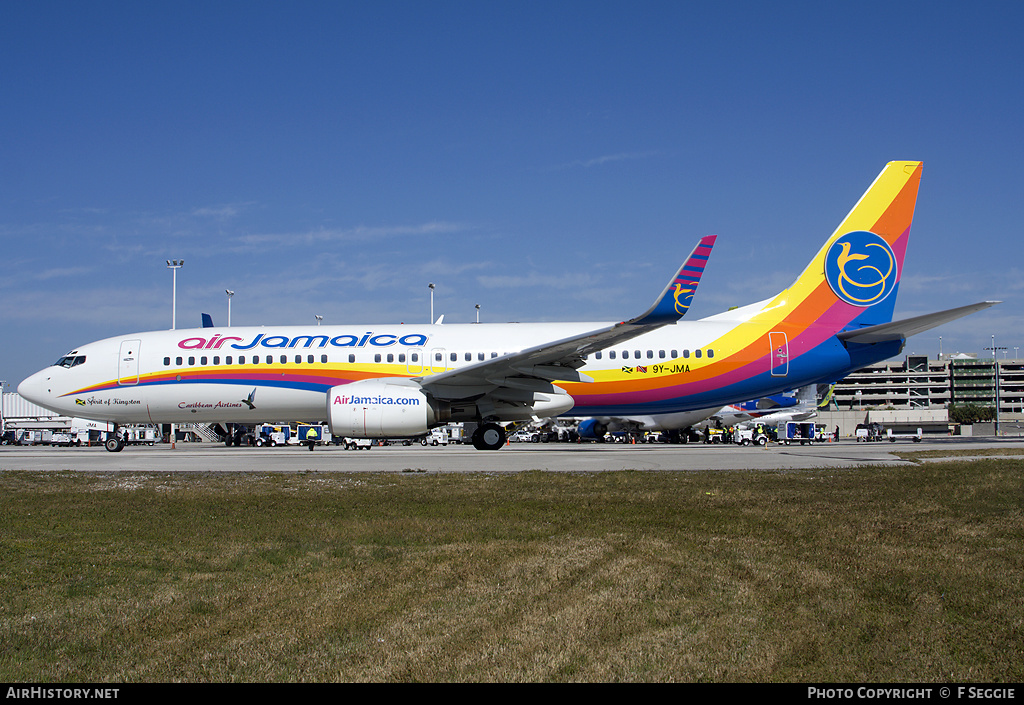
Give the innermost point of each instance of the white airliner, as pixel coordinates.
(772, 410)
(596, 427)
(401, 380)
(801, 407)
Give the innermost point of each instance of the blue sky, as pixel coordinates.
(548, 161)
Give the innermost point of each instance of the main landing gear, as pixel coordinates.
(489, 436)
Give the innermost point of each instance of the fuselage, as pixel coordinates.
(255, 374)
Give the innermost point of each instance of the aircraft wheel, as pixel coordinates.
(490, 436)
(114, 445)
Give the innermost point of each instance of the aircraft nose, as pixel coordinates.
(35, 388)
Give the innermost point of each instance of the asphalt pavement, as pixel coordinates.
(514, 457)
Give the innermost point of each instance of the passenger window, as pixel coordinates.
(167, 362)
(351, 358)
(686, 354)
(696, 353)
(323, 358)
(202, 360)
(711, 353)
(177, 361)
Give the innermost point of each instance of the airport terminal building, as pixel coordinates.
(918, 391)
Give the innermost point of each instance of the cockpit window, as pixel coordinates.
(70, 361)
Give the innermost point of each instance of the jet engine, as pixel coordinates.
(379, 408)
(592, 429)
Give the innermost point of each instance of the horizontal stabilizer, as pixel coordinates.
(910, 326)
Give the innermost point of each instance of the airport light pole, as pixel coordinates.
(478, 313)
(230, 294)
(431, 287)
(995, 369)
(318, 319)
(174, 265)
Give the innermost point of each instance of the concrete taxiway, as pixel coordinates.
(516, 457)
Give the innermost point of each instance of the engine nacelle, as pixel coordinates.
(379, 408)
(591, 429)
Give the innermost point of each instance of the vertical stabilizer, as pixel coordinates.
(853, 280)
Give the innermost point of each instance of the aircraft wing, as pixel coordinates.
(533, 369)
(910, 326)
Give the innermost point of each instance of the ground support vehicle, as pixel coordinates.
(715, 435)
(749, 436)
(797, 432)
(891, 436)
(436, 437)
(869, 432)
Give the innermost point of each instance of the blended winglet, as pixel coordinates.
(675, 300)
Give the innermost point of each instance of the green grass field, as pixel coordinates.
(895, 575)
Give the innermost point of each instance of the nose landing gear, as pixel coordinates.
(114, 442)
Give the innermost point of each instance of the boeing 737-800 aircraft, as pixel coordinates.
(400, 380)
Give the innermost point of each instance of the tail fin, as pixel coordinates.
(853, 280)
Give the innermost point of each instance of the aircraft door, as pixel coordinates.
(128, 362)
(779, 343)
